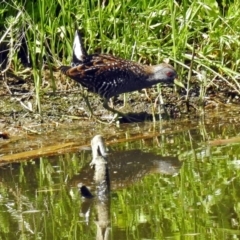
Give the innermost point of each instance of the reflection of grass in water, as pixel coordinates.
(36, 198)
(194, 202)
(157, 30)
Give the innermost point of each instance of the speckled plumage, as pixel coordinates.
(109, 76)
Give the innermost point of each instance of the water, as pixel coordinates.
(174, 181)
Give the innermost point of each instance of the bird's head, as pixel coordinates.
(162, 73)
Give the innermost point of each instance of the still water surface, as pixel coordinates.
(181, 184)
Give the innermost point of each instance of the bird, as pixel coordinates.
(109, 76)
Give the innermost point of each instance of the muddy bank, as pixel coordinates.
(66, 104)
(23, 128)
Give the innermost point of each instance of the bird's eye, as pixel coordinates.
(169, 74)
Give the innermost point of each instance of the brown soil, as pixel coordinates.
(66, 104)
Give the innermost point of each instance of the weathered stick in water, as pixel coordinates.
(100, 164)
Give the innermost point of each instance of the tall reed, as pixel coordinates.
(145, 31)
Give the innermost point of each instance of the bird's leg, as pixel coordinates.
(117, 113)
(106, 106)
(85, 97)
(92, 115)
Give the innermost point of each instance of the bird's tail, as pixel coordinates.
(79, 51)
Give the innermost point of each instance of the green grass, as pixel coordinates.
(201, 201)
(195, 35)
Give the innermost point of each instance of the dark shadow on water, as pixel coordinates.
(141, 117)
(128, 167)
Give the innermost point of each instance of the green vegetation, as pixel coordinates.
(200, 36)
(40, 200)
